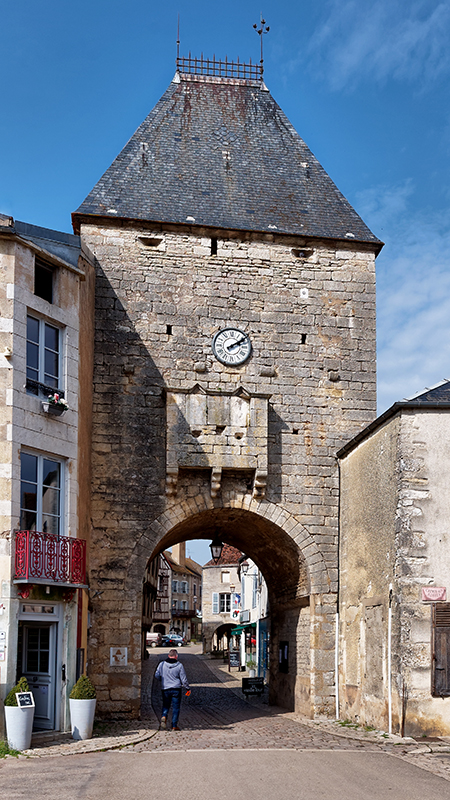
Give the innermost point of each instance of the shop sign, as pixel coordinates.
(234, 659)
(252, 686)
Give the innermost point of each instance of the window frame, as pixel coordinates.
(225, 601)
(40, 512)
(38, 386)
(440, 650)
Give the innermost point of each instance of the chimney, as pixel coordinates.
(179, 554)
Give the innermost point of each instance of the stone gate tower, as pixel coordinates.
(234, 355)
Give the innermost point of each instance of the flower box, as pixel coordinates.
(53, 409)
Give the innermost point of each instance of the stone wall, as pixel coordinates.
(394, 533)
(160, 298)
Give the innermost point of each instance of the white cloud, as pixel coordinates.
(413, 292)
(379, 40)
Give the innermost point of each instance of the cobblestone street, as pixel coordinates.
(217, 716)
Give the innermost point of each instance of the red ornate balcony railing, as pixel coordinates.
(46, 558)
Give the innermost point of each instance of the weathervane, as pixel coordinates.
(260, 31)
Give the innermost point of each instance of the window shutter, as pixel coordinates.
(215, 602)
(174, 586)
(441, 650)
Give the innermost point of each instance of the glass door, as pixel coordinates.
(39, 668)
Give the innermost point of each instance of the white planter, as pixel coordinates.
(82, 714)
(19, 725)
(252, 673)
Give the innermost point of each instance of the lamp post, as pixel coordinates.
(216, 548)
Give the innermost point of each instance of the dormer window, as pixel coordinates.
(43, 279)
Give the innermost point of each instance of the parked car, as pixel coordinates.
(153, 639)
(173, 640)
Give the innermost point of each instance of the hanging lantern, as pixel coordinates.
(216, 547)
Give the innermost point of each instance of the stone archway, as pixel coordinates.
(302, 605)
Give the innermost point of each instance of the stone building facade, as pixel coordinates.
(217, 221)
(395, 570)
(186, 593)
(221, 599)
(46, 349)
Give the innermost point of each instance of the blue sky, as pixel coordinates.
(365, 83)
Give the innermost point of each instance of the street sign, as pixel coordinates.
(434, 594)
(253, 686)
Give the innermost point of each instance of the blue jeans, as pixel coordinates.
(171, 697)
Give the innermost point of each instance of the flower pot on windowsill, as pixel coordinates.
(53, 409)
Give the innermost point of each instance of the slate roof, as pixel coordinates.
(440, 393)
(436, 398)
(220, 152)
(64, 246)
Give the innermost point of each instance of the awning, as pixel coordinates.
(240, 628)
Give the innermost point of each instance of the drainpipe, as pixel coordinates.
(336, 642)
(336, 664)
(390, 660)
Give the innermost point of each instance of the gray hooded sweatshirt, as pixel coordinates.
(172, 674)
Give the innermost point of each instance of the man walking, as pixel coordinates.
(173, 677)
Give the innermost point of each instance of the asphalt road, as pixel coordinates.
(219, 774)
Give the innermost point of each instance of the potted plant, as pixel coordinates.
(251, 666)
(82, 700)
(19, 721)
(55, 404)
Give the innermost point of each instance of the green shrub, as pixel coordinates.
(22, 686)
(83, 689)
(6, 750)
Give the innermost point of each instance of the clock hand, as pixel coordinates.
(235, 343)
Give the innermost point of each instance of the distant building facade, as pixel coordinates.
(221, 599)
(254, 617)
(186, 593)
(162, 614)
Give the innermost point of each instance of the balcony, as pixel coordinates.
(180, 613)
(48, 559)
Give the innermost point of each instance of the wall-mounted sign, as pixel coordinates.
(25, 699)
(118, 656)
(434, 594)
(2, 636)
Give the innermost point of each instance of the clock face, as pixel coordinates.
(231, 346)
